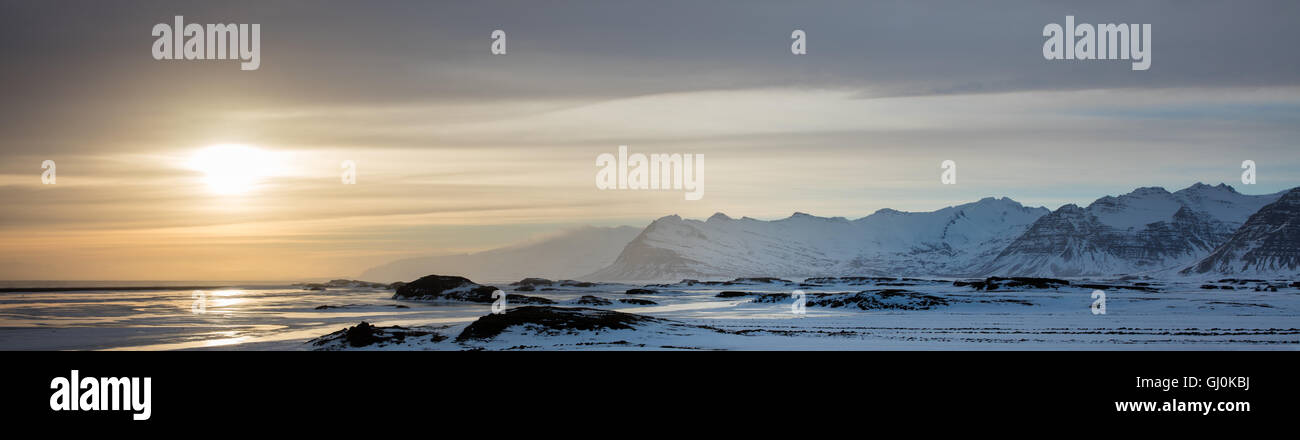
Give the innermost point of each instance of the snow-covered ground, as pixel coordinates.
(1180, 316)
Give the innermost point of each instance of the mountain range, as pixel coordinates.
(1268, 243)
(1199, 230)
(1147, 231)
(949, 241)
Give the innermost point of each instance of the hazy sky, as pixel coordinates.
(461, 150)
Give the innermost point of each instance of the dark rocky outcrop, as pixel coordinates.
(445, 287)
(346, 306)
(589, 300)
(639, 292)
(885, 299)
(1116, 287)
(364, 334)
(760, 280)
(513, 298)
(532, 282)
(637, 301)
(995, 283)
(849, 280)
(547, 319)
(342, 284)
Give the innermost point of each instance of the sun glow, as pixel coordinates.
(230, 168)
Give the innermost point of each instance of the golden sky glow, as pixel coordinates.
(201, 171)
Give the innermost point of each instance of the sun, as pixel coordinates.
(231, 168)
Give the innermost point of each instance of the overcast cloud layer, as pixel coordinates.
(462, 150)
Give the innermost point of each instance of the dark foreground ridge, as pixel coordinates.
(364, 335)
(883, 299)
(548, 318)
(994, 283)
(454, 288)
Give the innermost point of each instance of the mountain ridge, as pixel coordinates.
(1268, 243)
(946, 240)
(1147, 231)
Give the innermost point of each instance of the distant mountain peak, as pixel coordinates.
(1147, 230)
(946, 241)
(1200, 187)
(1268, 243)
(1150, 190)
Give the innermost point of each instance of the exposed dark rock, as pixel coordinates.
(533, 282)
(443, 287)
(640, 291)
(885, 299)
(760, 280)
(732, 294)
(592, 301)
(342, 284)
(524, 299)
(528, 284)
(637, 301)
(330, 306)
(994, 283)
(691, 282)
(849, 280)
(1114, 287)
(364, 334)
(546, 319)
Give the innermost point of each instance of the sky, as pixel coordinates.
(460, 150)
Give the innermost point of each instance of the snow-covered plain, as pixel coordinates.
(1179, 316)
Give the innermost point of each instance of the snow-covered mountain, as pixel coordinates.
(1149, 230)
(1267, 244)
(952, 240)
(566, 255)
